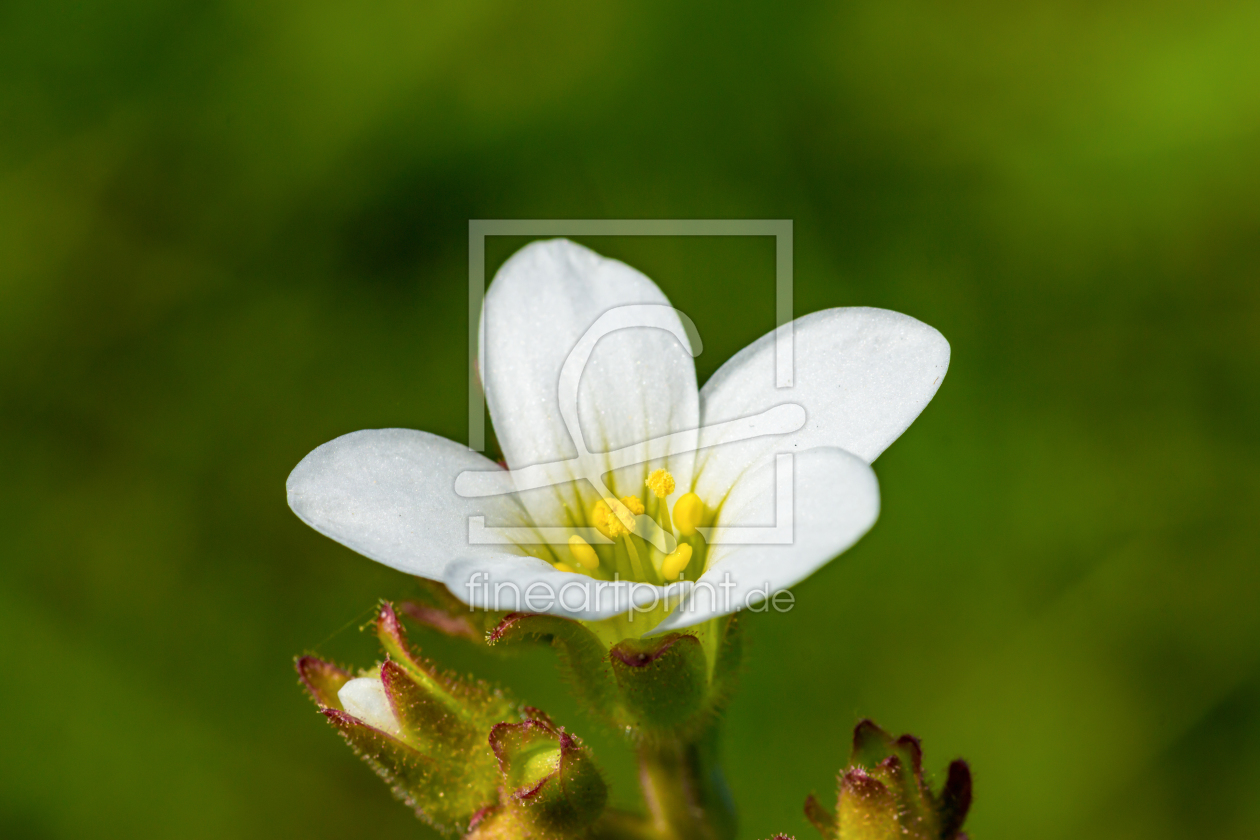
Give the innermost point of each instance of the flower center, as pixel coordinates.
(634, 553)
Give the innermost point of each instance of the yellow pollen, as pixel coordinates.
(583, 553)
(599, 518)
(632, 502)
(675, 562)
(687, 513)
(612, 518)
(565, 567)
(661, 483)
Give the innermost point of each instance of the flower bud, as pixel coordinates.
(424, 731)
(882, 794)
(664, 681)
(365, 699)
(649, 689)
(549, 780)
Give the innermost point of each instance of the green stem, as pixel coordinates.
(619, 825)
(687, 797)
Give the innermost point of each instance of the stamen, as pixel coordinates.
(633, 504)
(614, 518)
(674, 563)
(583, 553)
(687, 513)
(661, 483)
(605, 522)
(565, 567)
(636, 564)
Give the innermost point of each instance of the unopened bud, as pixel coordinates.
(882, 795)
(365, 698)
(553, 784)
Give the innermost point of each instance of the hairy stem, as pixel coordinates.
(686, 794)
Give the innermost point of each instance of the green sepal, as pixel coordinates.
(425, 713)
(582, 656)
(548, 775)
(414, 778)
(440, 761)
(867, 809)
(664, 683)
(727, 660)
(955, 799)
(454, 742)
(473, 703)
(821, 817)
(551, 787)
(898, 765)
(322, 680)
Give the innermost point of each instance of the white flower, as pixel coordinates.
(861, 376)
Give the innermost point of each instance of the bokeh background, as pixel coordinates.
(231, 231)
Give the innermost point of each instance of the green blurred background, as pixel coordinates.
(231, 231)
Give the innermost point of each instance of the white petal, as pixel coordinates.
(389, 495)
(862, 376)
(365, 698)
(836, 501)
(638, 384)
(527, 584)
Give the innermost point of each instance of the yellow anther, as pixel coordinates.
(635, 506)
(661, 483)
(687, 513)
(583, 553)
(611, 518)
(675, 562)
(565, 567)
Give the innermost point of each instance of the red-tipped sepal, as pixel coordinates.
(438, 609)
(549, 773)
(414, 778)
(322, 680)
(466, 707)
(423, 730)
(955, 799)
(867, 809)
(583, 658)
(883, 796)
(550, 786)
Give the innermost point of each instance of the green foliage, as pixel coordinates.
(230, 232)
